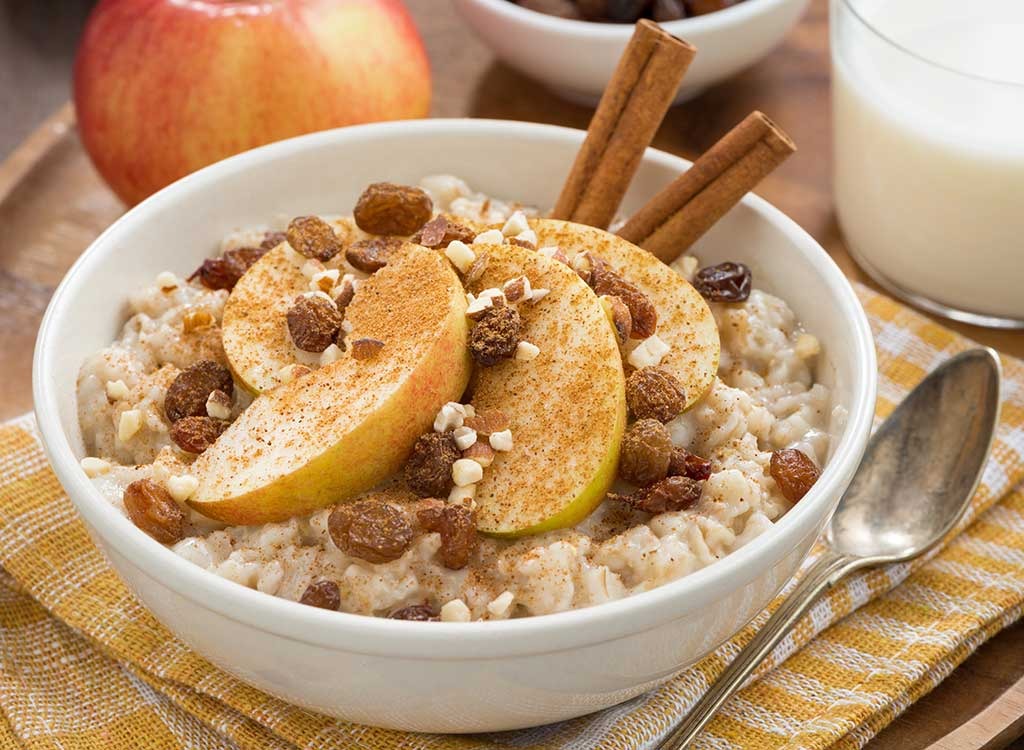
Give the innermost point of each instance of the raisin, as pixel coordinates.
(667, 10)
(188, 392)
(487, 422)
(624, 11)
(323, 594)
(313, 323)
(686, 464)
(654, 393)
(457, 526)
(428, 471)
(646, 452)
(700, 7)
(642, 312)
(669, 494)
(152, 509)
(371, 530)
(495, 336)
(313, 237)
(272, 240)
(372, 254)
(386, 208)
(416, 613)
(794, 472)
(726, 282)
(225, 271)
(196, 434)
(560, 8)
(366, 348)
(442, 231)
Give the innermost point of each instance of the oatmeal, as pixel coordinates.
(701, 471)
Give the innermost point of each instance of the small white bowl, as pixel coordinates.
(438, 677)
(576, 58)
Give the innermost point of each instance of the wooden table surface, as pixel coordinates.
(791, 86)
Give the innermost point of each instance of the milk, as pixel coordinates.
(929, 156)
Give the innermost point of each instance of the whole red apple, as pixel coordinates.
(164, 87)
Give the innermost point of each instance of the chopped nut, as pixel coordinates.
(117, 390)
(501, 605)
(525, 351)
(555, 253)
(648, 353)
(654, 393)
(669, 494)
(181, 487)
(466, 471)
(686, 464)
(311, 268)
(196, 320)
(495, 336)
(488, 422)
(188, 392)
(464, 437)
(386, 208)
(645, 453)
(93, 467)
(517, 289)
(322, 594)
(490, 237)
(196, 434)
(371, 530)
(641, 310)
(313, 322)
(313, 237)
(450, 417)
(794, 472)
(344, 292)
(325, 280)
(480, 452)
(584, 264)
(619, 316)
(457, 526)
(527, 238)
(428, 471)
(501, 441)
(538, 294)
(476, 270)
(167, 282)
(478, 306)
(441, 230)
(129, 423)
(291, 372)
(218, 405)
(455, 611)
(152, 509)
(515, 224)
(366, 348)
(807, 346)
(331, 354)
(416, 613)
(372, 254)
(462, 495)
(460, 255)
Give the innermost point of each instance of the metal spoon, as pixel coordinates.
(919, 472)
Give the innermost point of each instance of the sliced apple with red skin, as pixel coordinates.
(343, 428)
(566, 407)
(685, 321)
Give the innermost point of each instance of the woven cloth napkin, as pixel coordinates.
(84, 666)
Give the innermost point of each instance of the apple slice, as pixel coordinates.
(566, 407)
(345, 427)
(685, 321)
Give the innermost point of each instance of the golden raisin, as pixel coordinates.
(669, 494)
(646, 452)
(313, 237)
(428, 471)
(686, 464)
(152, 509)
(794, 472)
(386, 208)
(313, 323)
(643, 314)
(196, 434)
(371, 530)
(323, 594)
(188, 392)
(457, 526)
(495, 336)
(372, 254)
(654, 393)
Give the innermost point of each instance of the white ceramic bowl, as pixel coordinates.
(451, 677)
(576, 58)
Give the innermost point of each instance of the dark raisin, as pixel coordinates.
(313, 323)
(225, 271)
(313, 237)
(624, 11)
(272, 240)
(457, 526)
(726, 282)
(642, 312)
(495, 336)
(366, 348)
(559, 8)
(196, 434)
(372, 254)
(646, 452)
(686, 464)
(152, 509)
(701, 7)
(428, 471)
(188, 392)
(794, 472)
(416, 613)
(386, 208)
(323, 594)
(669, 494)
(654, 393)
(667, 10)
(371, 530)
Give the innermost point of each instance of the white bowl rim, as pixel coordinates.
(448, 641)
(708, 23)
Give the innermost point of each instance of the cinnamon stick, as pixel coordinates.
(627, 117)
(676, 217)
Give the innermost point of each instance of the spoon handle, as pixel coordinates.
(825, 572)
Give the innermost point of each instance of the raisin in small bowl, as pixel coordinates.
(576, 58)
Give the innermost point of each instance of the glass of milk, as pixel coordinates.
(928, 113)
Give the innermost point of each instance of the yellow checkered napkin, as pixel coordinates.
(84, 666)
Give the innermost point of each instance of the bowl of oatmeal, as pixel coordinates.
(433, 601)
